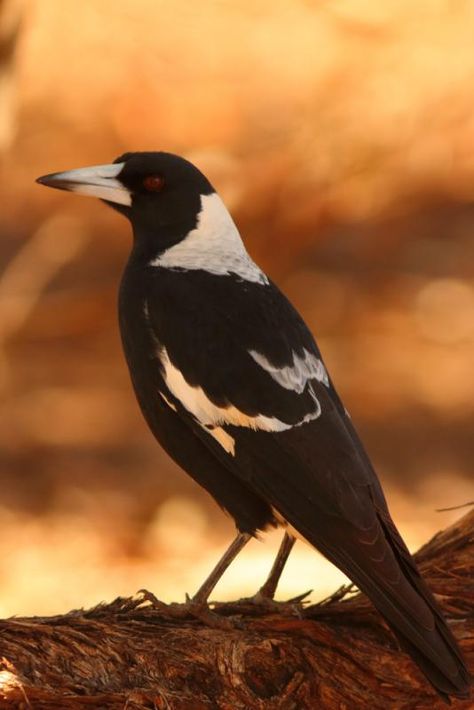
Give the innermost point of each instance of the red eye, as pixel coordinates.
(154, 183)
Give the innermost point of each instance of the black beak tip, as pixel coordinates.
(54, 180)
(43, 179)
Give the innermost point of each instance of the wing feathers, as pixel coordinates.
(209, 413)
(298, 373)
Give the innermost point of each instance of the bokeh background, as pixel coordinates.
(341, 135)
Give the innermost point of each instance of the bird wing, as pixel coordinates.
(241, 368)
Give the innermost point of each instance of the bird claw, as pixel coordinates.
(265, 604)
(289, 607)
(199, 609)
(193, 608)
(153, 600)
(262, 598)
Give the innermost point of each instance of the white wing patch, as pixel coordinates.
(196, 401)
(225, 440)
(168, 402)
(212, 417)
(214, 246)
(295, 376)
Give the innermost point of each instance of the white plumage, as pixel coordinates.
(297, 375)
(214, 246)
(212, 416)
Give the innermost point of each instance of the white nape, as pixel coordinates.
(298, 374)
(214, 246)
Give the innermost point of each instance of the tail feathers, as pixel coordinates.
(434, 650)
(414, 616)
(452, 677)
(446, 686)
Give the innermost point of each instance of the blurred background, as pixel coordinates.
(341, 135)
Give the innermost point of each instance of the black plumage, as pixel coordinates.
(232, 384)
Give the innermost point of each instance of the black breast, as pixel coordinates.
(141, 346)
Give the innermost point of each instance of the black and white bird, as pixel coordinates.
(233, 386)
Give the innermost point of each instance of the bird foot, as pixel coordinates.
(191, 608)
(265, 604)
(289, 607)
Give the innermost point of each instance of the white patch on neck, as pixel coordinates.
(295, 376)
(214, 246)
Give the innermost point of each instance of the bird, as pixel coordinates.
(233, 386)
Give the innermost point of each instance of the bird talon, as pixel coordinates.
(201, 611)
(153, 600)
(300, 598)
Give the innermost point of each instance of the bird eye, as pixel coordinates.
(154, 183)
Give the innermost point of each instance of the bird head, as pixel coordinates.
(160, 193)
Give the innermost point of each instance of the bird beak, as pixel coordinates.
(97, 181)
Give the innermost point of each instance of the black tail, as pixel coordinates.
(412, 613)
(442, 662)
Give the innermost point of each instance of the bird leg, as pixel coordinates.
(264, 598)
(268, 589)
(202, 594)
(197, 605)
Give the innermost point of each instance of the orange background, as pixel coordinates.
(341, 136)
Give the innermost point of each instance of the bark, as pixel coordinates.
(337, 654)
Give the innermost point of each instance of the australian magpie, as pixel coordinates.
(234, 387)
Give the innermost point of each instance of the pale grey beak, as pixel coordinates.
(96, 181)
